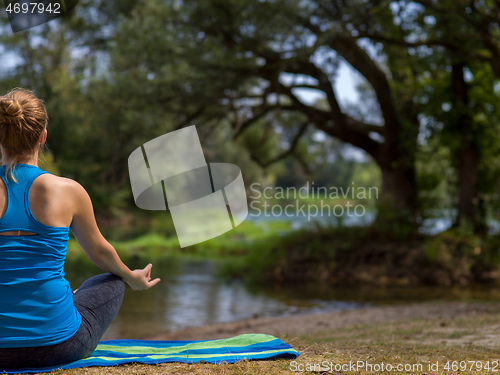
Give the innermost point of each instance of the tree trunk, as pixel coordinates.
(397, 201)
(469, 173)
(398, 190)
(468, 156)
(397, 204)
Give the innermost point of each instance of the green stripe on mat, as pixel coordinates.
(212, 344)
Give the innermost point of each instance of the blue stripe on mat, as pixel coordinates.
(230, 350)
(255, 348)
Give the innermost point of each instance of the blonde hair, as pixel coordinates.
(23, 119)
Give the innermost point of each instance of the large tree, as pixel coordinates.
(459, 41)
(270, 49)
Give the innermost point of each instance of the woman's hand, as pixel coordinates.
(141, 279)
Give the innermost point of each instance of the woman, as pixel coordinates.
(42, 322)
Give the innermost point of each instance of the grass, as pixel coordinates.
(154, 246)
(326, 354)
(413, 342)
(312, 200)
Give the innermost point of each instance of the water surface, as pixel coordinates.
(190, 295)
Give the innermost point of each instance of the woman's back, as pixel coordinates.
(37, 306)
(48, 200)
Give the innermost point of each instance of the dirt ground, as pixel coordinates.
(310, 324)
(441, 334)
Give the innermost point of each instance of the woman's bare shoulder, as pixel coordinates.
(63, 188)
(55, 200)
(51, 181)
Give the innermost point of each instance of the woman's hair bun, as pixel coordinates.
(10, 109)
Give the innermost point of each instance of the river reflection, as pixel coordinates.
(190, 295)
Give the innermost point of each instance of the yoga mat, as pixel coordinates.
(230, 350)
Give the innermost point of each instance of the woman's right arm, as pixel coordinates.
(96, 247)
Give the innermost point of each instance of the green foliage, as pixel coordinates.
(48, 164)
(356, 254)
(159, 243)
(145, 68)
(463, 255)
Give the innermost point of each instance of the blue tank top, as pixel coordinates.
(36, 307)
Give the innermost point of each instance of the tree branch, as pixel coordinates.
(429, 43)
(284, 154)
(348, 48)
(198, 112)
(341, 129)
(482, 27)
(240, 126)
(365, 143)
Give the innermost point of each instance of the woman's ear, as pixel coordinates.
(43, 138)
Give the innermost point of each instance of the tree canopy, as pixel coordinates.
(116, 74)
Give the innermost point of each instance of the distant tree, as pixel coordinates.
(459, 46)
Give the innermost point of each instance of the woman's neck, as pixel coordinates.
(21, 162)
(33, 160)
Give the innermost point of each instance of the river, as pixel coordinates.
(190, 294)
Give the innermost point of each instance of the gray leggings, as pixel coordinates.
(98, 300)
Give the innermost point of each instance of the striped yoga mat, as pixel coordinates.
(234, 349)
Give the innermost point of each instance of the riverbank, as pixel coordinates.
(417, 335)
(371, 255)
(352, 320)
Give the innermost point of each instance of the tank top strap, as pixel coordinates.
(18, 215)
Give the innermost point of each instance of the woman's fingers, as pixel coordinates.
(154, 282)
(143, 279)
(150, 282)
(148, 270)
